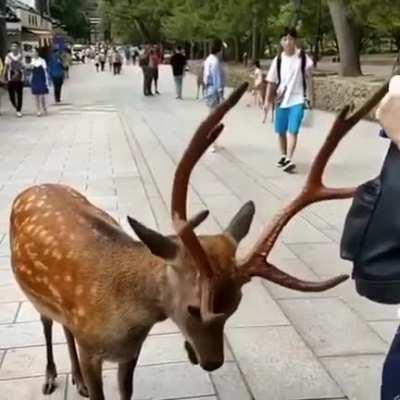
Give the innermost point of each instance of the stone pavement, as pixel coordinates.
(120, 149)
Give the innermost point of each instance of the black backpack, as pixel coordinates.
(371, 236)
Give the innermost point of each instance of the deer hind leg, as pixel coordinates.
(77, 378)
(51, 372)
(125, 379)
(91, 370)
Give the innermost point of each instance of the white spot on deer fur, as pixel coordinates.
(47, 214)
(57, 278)
(29, 272)
(28, 206)
(70, 255)
(79, 290)
(56, 254)
(68, 278)
(60, 219)
(71, 236)
(81, 311)
(31, 198)
(17, 203)
(55, 292)
(29, 228)
(49, 239)
(40, 203)
(40, 266)
(34, 218)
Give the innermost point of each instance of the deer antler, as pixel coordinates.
(205, 135)
(256, 263)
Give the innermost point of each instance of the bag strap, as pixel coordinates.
(303, 71)
(278, 68)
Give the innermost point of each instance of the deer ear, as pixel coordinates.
(159, 245)
(240, 224)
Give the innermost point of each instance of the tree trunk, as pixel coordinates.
(254, 37)
(346, 35)
(236, 47)
(3, 30)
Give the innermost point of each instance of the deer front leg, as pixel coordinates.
(91, 369)
(51, 372)
(125, 379)
(77, 378)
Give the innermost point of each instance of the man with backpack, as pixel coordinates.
(289, 83)
(15, 75)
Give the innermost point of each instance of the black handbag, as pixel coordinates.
(371, 235)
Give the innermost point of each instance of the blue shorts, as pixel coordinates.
(289, 119)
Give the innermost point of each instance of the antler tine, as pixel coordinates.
(205, 135)
(256, 263)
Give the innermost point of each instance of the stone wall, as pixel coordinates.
(331, 92)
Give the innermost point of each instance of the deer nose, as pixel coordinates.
(212, 365)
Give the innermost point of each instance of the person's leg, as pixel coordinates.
(20, 94)
(390, 388)
(180, 86)
(281, 127)
(12, 93)
(296, 114)
(43, 103)
(37, 103)
(156, 80)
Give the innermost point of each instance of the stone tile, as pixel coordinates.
(31, 361)
(11, 293)
(257, 308)
(27, 313)
(331, 328)
(229, 383)
(358, 376)
(104, 202)
(6, 277)
(368, 309)
(31, 389)
(8, 312)
(323, 258)
(160, 382)
(167, 326)
(385, 329)
(278, 365)
(27, 334)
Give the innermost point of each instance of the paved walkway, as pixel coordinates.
(120, 149)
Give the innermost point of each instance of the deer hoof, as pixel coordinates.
(80, 386)
(49, 386)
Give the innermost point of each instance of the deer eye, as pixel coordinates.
(194, 312)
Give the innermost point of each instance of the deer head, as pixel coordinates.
(204, 276)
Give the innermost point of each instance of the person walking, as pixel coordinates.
(56, 73)
(117, 62)
(178, 63)
(289, 88)
(15, 75)
(110, 60)
(39, 83)
(102, 59)
(155, 60)
(144, 61)
(97, 61)
(214, 79)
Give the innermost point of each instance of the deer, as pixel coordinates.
(79, 268)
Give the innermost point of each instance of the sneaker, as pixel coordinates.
(214, 148)
(19, 114)
(282, 162)
(289, 167)
(39, 114)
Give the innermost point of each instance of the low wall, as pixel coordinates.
(331, 92)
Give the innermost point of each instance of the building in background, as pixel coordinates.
(96, 32)
(32, 29)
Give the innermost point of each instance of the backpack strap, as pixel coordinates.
(303, 71)
(278, 68)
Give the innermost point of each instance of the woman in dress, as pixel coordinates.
(39, 82)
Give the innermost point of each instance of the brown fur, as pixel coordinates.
(79, 268)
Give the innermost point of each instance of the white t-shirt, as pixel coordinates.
(291, 78)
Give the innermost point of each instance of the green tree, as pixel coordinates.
(72, 14)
